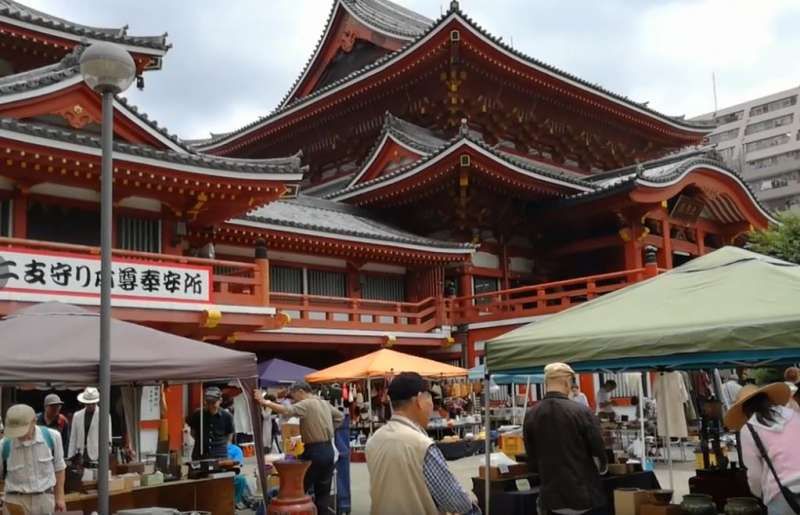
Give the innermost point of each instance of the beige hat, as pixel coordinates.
(778, 393)
(554, 370)
(18, 420)
(89, 396)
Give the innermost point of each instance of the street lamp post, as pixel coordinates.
(108, 69)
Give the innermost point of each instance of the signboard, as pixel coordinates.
(53, 273)
(687, 208)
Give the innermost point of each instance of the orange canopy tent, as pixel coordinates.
(382, 363)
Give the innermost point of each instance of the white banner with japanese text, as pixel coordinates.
(55, 273)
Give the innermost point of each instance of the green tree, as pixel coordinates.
(780, 240)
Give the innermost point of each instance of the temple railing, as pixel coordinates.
(246, 284)
(538, 299)
(232, 282)
(348, 313)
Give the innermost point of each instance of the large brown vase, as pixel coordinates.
(292, 498)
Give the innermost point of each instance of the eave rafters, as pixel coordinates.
(334, 246)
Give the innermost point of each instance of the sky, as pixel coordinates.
(233, 61)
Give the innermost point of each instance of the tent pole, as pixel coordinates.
(666, 430)
(513, 402)
(369, 404)
(487, 442)
(527, 396)
(641, 419)
(200, 453)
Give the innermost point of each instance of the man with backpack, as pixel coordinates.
(32, 463)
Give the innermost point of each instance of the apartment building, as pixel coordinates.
(761, 139)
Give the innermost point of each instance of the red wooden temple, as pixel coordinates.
(422, 185)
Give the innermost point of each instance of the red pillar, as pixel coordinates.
(20, 215)
(175, 416)
(586, 382)
(700, 235)
(666, 250)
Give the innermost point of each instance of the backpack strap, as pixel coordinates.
(48, 438)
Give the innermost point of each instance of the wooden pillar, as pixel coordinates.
(470, 351)
(666, 250)
(19, 208)
(353, 281)
(465, 281)
(586, 383)
(175, 416)
(262, 272)
(504, 265)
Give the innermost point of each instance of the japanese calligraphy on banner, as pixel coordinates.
(64, 274)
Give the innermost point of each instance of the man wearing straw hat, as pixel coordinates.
(770, 440)
(565, 446)
(32, 463)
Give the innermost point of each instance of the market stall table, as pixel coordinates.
(213, 494)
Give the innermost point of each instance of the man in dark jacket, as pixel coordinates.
(565, 447)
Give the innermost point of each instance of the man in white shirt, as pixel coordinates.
(32, 463)
(730, 390)
(604, 402)
(578, 396)
(84, 435)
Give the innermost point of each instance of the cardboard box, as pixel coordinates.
(660, 509)
(617, 469)
(116, 484)
(628, 501)
(517, 469)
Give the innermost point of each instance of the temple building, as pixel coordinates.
(422, 185)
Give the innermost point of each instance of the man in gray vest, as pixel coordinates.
(407, 473)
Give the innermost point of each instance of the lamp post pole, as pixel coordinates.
(108, 69)
(106, 214)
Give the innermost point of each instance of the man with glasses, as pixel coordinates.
(407, 473)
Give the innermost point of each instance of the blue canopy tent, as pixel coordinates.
(277, 372)
(479, 372)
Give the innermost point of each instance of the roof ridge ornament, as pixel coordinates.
(463, 130)
(454, 7)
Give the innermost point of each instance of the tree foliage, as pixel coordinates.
(781, 241)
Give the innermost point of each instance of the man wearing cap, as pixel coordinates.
(318, 421)
(407, 473)
(32, 463)
(84, 435)
(51, 417)
(565, 447)
(217, 427)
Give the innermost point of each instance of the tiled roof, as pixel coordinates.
(17, 11)
(287, 165)
(67, 68)
(287, 104)
(334, 218)
(657, 171)
(389, 17)
(528, 165)
(384, 14)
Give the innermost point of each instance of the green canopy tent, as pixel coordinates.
(730, 307)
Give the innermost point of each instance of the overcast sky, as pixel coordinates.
(232, 61)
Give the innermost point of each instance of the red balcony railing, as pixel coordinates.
(539, 299)
(246, 284)
(347, 313)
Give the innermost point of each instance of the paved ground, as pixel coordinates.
(465, 468)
